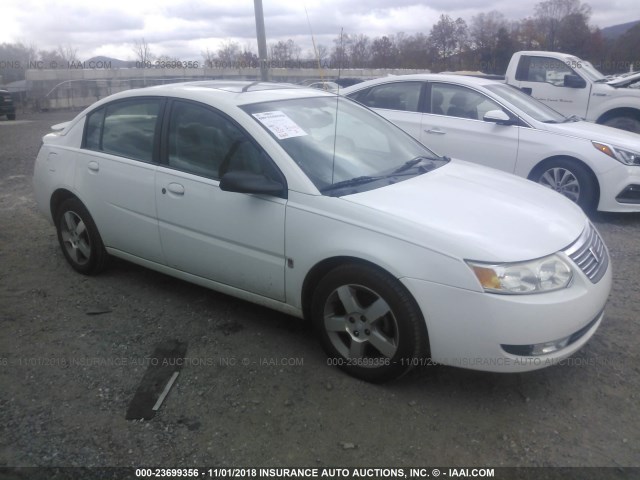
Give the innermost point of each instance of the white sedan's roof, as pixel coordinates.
(432, 77)
(230, 93)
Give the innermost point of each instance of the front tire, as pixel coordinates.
(368, 323)
(570, 179)
(79, 238)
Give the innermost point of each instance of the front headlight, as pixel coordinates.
(536, 276)
(628, 157)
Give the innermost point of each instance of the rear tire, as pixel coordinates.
(79, 238)
(368, 323)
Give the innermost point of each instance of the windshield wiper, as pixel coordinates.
(412, 163)
(400, 171)
(352, 182)
(572, 118)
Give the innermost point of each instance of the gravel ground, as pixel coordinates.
(256, 390)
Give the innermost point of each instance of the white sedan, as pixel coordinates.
(308, 203)
(491, 123)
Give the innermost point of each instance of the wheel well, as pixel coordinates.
(320, 270)
(542, 165)
(57, 198)
(619, 112)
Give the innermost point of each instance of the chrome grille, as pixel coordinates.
(590, 254)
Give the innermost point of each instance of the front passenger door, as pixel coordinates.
(235, 239)
(459, 130)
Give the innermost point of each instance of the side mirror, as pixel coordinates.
(498, 117)
(247, 182)
(574, 81)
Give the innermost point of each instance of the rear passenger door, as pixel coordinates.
(232, 238)
(115, 174)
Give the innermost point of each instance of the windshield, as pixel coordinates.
(341, 146)
(529, 105)
(591, 72)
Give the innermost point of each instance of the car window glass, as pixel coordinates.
(203, 142)
(333, 140)
(94, 130)
(548, 70)
(457, 101)
(393, 96)
(125, 128)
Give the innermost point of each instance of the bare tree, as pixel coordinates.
(17, 59)
(528, 35)
(484, 31)
(360, 50)
(550, 14)
(340, 52)
(284, 51)
(68, 53)
(51, 59)
(322, 53)
(142, 51)
(248, 58)
(229, 52)
(209, 58)
(506, 45)
(574, 35)
(449, 37)
(384, 53)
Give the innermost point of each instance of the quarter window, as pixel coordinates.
(392, 96)
(126, 129)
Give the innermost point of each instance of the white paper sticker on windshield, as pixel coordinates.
(281, 125)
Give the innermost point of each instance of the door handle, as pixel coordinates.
(93, 166)
(175, 188)
(436, 131)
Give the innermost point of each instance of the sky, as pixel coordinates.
(184, 29)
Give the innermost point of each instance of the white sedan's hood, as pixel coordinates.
(475, 213)
(598, 133)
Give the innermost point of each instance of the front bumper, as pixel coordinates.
(469, 329)
(620, 189)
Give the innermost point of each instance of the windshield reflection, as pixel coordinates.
(338, 142)
(529, 105)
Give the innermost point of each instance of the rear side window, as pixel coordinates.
(127, 129)
(392, 96)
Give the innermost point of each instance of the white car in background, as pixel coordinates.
(494, 124)
(308, 203)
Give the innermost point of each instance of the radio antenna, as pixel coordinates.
(313, 42)
(335, 130)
